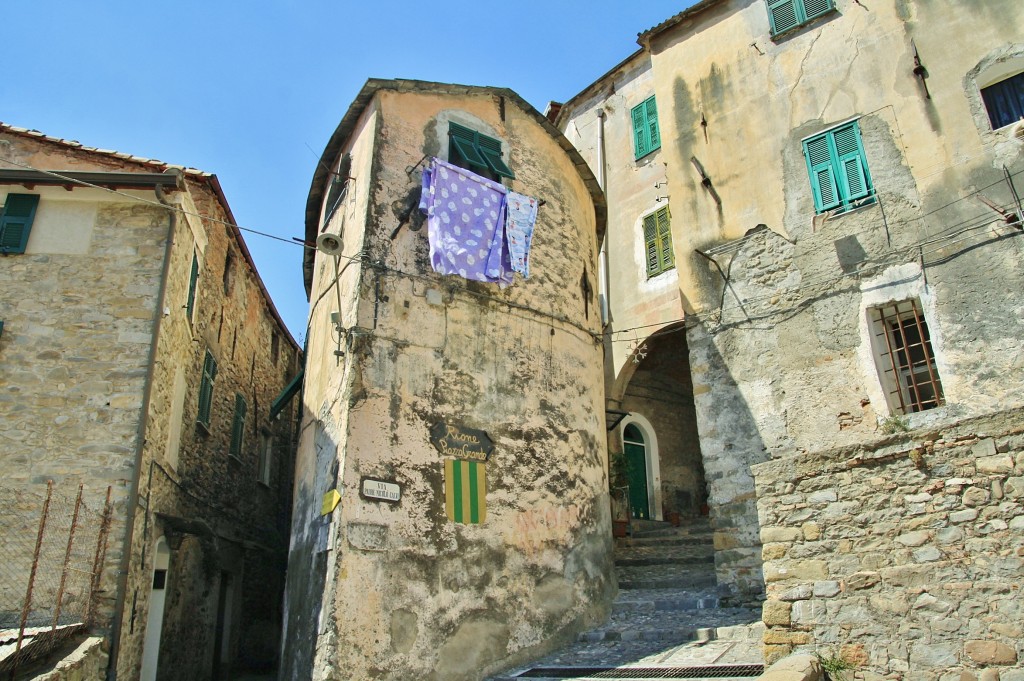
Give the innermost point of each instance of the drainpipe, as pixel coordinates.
(140, 440)
(604, 287)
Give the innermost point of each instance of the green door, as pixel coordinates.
(636, 470)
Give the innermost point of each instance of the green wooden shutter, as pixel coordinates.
(206, 389)
(782, 15)
(193, 281)
(651, 244)
(665, 240)
(816, 8)
(490, 149)
(238, 426)
(651, 111)
(818, 153)
(854, 182)
(640, 131)
(16, 222)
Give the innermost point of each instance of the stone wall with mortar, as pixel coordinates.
(901, 554)
(80, 323)
(403, 591)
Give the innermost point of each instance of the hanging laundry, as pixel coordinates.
(521, 214)
(465, 223)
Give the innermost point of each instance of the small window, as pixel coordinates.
(193, 284)
(482, 154)
(229, 272)
(266, 459)
(275, 347)
(838, 169)
(784, 15)
(16, 222)
(206, 390)
(903, 353)
(658, 242)
(1004, 101)
(646, 136)
(238, 427)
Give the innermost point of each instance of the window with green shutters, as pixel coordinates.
(193, 283)
(238, 426)
(206, 390)
(784, 15)
(16, 222)
(646, 136)
(838, 169)
(658, 242)
(482, 154)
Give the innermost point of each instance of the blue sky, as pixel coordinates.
(252, 91)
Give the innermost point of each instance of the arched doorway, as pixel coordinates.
(155, 619)
(635, 449)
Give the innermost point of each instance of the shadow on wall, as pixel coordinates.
(730, 443)
(308, 558)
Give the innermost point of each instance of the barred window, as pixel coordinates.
(906, 362)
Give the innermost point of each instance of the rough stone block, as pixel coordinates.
(776, 613)
(932, 655)
(990, 652)
(1013, 488)
(774, 551)
(926, 554)
(984, 448)
(808, 570)
(964, 516)
(915, 538)
(798, 593)
(989, 675)
(779, 534)
(975, 496)
(808, 612)
(812, 531)
(823, 496)
(774, 653)
(826, 588)
(862, 580)
(994, 465)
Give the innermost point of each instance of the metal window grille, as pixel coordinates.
(906, 360)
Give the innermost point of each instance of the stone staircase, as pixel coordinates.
(668, 620)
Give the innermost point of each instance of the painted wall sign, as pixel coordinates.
(380, 490)
(461, 442)
(465, 491)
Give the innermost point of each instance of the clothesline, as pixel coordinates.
(411, 169)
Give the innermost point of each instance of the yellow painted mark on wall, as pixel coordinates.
(331, 501)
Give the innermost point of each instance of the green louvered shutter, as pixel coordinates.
(238, 426)
(490, 149)
(206, 389)
(640, 132)
(782, 15)
(816, 8)
(665, 240)
(818, 153)
(16, 222)
(193, 282)
(651, 244)
(854, 182)
(651, 111)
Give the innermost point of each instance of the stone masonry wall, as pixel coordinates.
(904, 555)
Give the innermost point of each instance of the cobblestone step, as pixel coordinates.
(731, 638)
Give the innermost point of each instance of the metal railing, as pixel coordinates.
(52, 551)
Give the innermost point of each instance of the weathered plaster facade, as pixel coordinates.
(101, 372)
(398, 591)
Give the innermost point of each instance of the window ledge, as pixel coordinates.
(856, 207)
(646, 156)
(203, 428)
(232, 457)
(658, 274)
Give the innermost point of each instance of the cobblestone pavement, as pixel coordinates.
(668, 612)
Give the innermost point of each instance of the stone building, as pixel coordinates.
(397, 569)
(142, 353)
(813, 217)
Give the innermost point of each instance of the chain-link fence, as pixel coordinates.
(52, 548)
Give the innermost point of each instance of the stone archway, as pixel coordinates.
(655, 389)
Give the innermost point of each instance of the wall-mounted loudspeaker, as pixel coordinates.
(329, 244)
